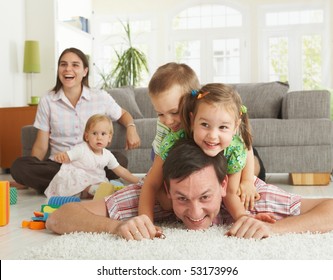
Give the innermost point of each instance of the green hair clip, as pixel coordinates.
(243, 109)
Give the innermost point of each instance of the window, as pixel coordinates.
(230, 41)
(278, 59)
(293, 41)
(211, 39)
(294, 17)
(207, 16)
(312, 62)
(188, 52)
(226, 60)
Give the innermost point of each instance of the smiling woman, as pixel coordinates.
(61, 116)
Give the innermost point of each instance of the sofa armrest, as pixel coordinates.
(28, 136)
(306, 104)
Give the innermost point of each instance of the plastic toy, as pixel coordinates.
(105, 189)
(13, 195)
(4, 203)
(46, 208)
(35, 225)
(38, 221)
(60, 200)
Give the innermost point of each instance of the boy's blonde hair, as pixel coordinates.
(95, 119)
(215, 94)
(171, 74)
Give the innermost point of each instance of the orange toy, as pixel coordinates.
(33, 224)
(4, 203)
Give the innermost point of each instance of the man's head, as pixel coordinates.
(195, 183)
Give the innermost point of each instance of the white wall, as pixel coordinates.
(25, 20)
(12, 15)
(40, 26)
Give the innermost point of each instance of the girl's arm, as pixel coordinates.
(76, 153)
(247, 190)
(232, 201)
(124, 173)
(152, 183)
(234, 205)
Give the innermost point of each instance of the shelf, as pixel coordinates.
(70, 28)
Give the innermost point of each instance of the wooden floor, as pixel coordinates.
(14, 239)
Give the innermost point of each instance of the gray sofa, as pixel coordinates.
(292, 130)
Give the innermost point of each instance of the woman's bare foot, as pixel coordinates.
(17, 185)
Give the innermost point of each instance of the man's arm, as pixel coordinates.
(316, 216)
(92, 216)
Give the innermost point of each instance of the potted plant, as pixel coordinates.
(130, 64)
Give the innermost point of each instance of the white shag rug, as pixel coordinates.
(181, 244)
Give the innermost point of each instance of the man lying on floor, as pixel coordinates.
(196, 185)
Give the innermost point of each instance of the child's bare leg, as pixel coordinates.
(85, 194)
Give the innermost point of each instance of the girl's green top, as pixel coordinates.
(235, 153)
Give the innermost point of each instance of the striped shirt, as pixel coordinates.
(161, 131)
(123, 204)
(66, 123)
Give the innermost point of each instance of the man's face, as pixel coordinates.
(197, 199)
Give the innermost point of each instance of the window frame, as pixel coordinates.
(206, 37)
(294, 33)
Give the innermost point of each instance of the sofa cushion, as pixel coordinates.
(306, 104)
(126, 99)
(291, 132)
(143, 100)
(263, 100)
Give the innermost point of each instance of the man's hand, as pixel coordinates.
(138, 228)
(249, 227)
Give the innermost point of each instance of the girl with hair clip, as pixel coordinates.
(218, 122)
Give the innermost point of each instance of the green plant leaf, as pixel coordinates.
(131, 63)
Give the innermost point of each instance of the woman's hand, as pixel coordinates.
(132, 138)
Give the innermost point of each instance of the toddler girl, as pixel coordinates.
(82, 168)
